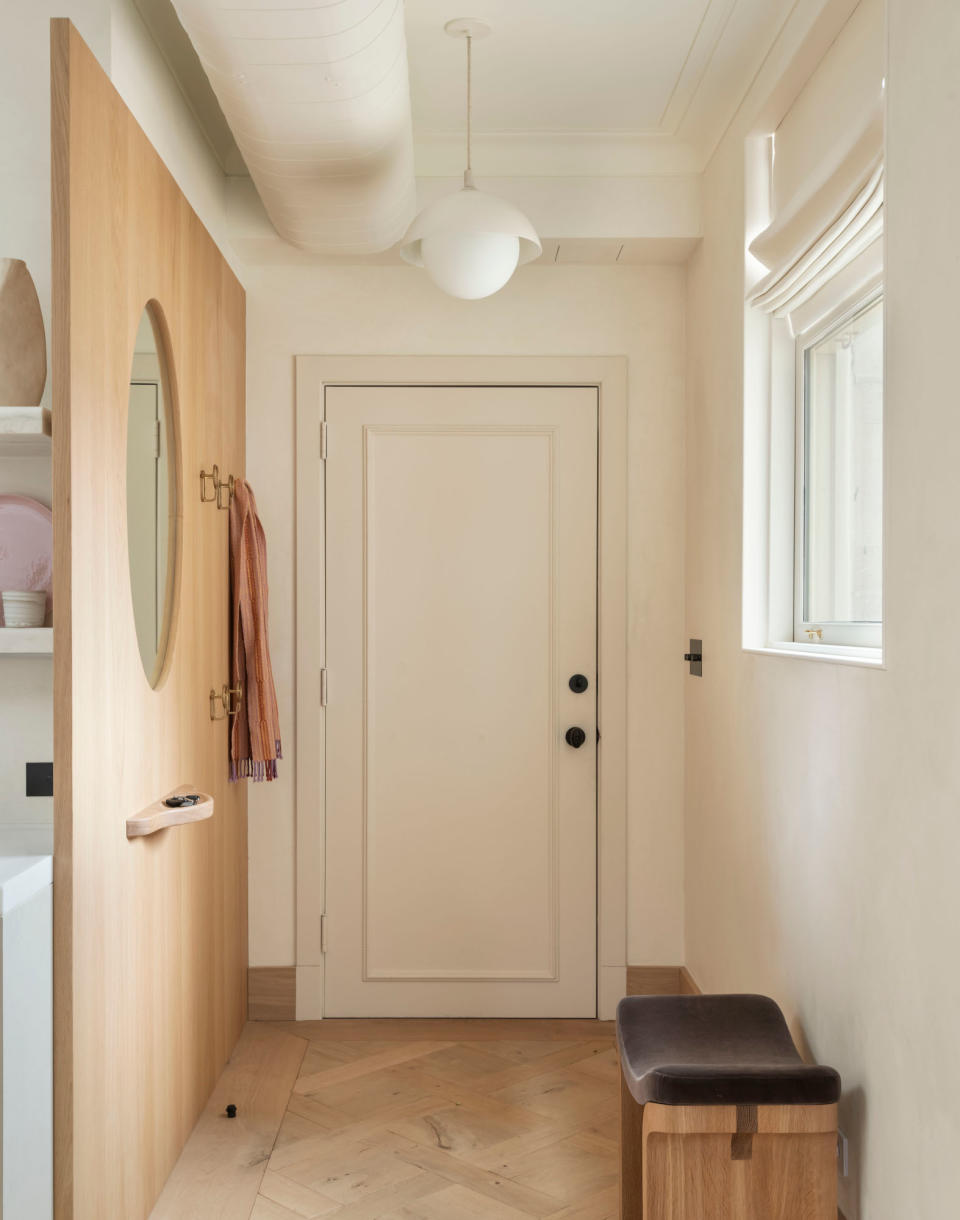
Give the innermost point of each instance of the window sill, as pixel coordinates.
(833, 654)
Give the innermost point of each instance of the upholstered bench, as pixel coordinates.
(720, 1117)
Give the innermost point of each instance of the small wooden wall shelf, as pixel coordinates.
(159, 816)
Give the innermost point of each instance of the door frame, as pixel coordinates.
(608, 374)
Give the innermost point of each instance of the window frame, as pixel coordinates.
(824, 634)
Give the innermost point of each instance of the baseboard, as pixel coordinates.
(688, 984)
(660, 980)
(272, 993)
(272, 990)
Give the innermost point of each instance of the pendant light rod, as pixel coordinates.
(468, 28)
(469, 107)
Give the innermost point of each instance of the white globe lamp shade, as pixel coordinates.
(470, 265)
(470, 243)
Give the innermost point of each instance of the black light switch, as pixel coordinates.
(40, 779)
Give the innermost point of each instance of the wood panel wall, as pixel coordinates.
(150, 934)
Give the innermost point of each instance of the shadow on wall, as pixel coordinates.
(852, 1121)
(853, 1124)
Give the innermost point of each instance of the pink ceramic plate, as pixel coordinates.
(26, 547)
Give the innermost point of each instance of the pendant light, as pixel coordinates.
(470, 243)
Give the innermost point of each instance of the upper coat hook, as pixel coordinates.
(220, 490)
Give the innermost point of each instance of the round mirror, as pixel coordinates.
(152, 509)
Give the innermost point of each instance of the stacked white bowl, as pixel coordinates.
(21, 609)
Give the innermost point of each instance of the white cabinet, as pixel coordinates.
(26, 1034)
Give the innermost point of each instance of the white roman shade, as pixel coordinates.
(826, 227)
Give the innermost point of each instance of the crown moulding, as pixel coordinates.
(23, 340)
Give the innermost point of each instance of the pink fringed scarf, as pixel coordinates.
(255, 735)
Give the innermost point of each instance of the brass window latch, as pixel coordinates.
(814, 633)
(225, 702)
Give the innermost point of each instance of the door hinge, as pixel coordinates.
(156, 438)
(323, 440)
(323, 688)
(323, 933)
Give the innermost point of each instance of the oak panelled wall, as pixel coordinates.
(150, 934)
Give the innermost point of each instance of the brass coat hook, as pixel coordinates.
(219, 490)
(225, 702)
(229, 485)
(214, 477)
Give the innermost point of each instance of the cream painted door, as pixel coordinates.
(461, 598)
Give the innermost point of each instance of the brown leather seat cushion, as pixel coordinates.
(715, 1050)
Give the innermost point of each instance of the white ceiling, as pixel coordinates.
(655, 71)
(581, 107)
(555, 65)
(570, 86)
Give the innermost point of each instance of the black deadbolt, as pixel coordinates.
(575, 737)
(578, 684)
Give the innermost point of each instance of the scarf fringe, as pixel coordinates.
(256, 769)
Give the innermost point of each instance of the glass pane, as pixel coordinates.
(843, 472)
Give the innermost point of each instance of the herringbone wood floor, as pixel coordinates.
(448, 1120)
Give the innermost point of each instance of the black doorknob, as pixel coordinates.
(579, 683)
(575, 737)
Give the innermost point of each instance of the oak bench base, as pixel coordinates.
(727, 1162)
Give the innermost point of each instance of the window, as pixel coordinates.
(838, 588)
(813, 359)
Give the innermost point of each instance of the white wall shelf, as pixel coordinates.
(26, 641)
(24, 432)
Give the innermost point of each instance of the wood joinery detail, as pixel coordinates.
(727, 1162)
